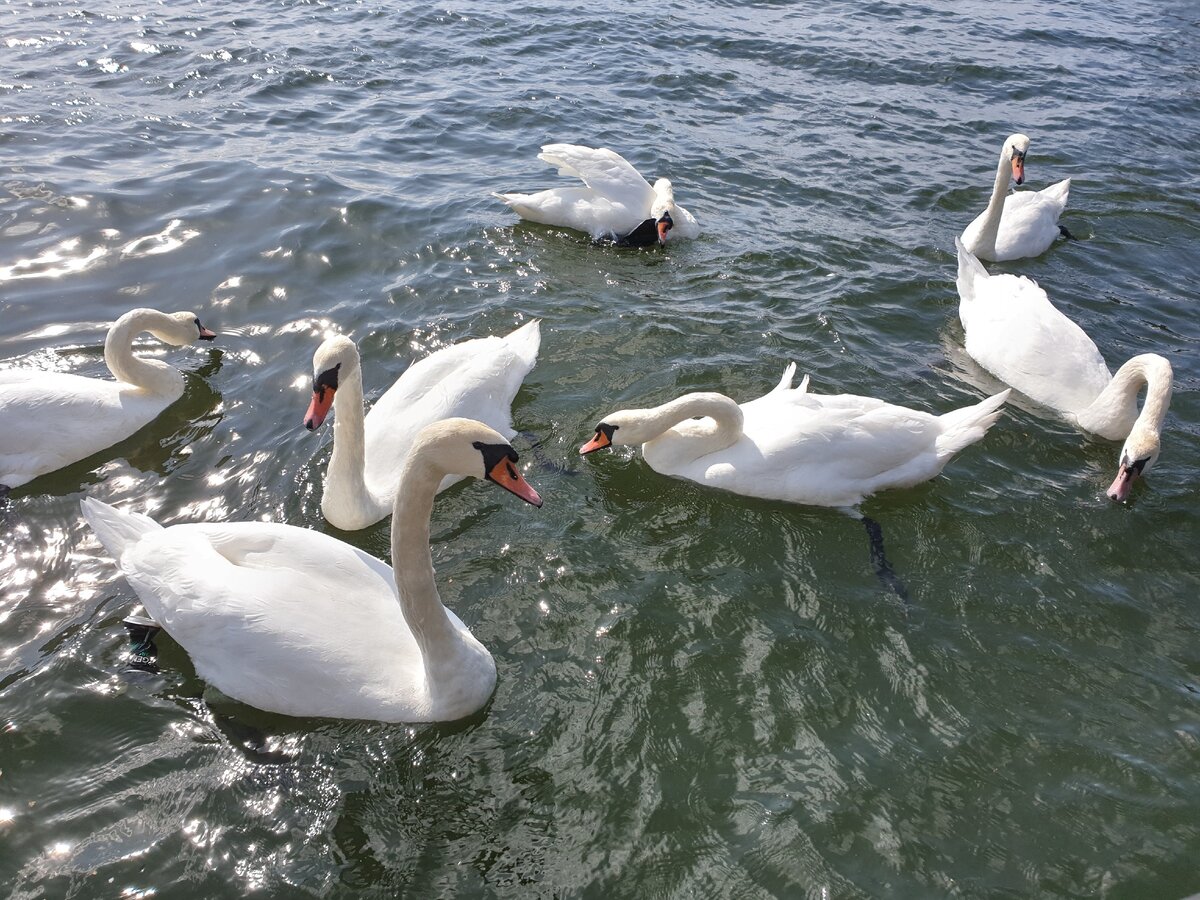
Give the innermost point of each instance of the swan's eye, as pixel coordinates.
(512, 472)
(196, 321)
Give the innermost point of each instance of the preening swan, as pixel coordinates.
(617, 203)
(795, 446)
(477, 379)
(1016, 333)
(1024, 223)
(51, 419)
(297, 622)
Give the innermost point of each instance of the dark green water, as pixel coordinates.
(699, 695)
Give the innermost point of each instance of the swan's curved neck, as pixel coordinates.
(345, 480)
(990, 229)
(1114, 413)
(725, 414)
(151, 375)
(412, 563)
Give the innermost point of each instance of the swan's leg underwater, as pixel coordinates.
(1062, 229)
(143, 655)
(883, 568)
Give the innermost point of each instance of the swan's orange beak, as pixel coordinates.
(1119, 490)
(505, 474)
(206, 335)
(1018, 169)
(599, 442)
(318, 409)
(663, 228)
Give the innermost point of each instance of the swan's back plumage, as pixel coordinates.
(51, 419)
(1028, 223)
(476, 379)
(1017, 334)
(283, 618)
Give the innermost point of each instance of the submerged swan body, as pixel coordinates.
(795, 446)
(1017, 334)
(296, 622)
(477, 379)
(615, 203)
(51, 419)
(1021, 224)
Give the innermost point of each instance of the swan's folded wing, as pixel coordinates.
(263, 607)
(603, 171)
(50, 419)
(1017, 334)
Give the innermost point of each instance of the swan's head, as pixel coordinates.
(1014, 152)
(663, 206)
(628, 426)
(335, 359)
(466, 447)
(1138, 457)
(180, 329)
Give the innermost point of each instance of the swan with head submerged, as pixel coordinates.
(1017, 334)
(477, 379)
(795, 446)
(52, 419)
(1020, 224)
(296, 622)
(615, 203)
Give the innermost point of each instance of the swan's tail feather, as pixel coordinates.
(526, 341)
(1058, 193)
(963, 427)
(115, 528)
(969, 269)
(785, 383)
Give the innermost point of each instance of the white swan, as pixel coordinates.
(1024, 223)
(296, 622)
(616, 203)
(51, 419)
(1016, 333)
(477, 379)
(795, 446)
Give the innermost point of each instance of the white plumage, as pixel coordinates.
(1020, 224)
(615, 199)
(297, 622)
(51, 419)
(795, 446)
(475, 379)
(1017, 334)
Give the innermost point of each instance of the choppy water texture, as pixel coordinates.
(699, 695)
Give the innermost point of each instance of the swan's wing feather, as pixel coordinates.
(604, 171)
(476, 379)
(51, 419)
(1017, 334)
(1029, 222)
(283, 618)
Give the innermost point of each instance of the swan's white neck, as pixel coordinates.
(703, 438)
(990, 228)
(442, 647)
(151, 375)
(347, 498)
(1113, 414)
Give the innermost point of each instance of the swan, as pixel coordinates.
(296, 622)
(1016, 333)
(795, 446)
(51, 419)
(1020, 224)
(477, 379)
(616, 203)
